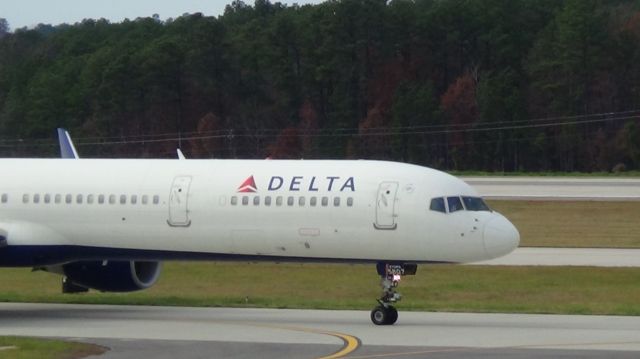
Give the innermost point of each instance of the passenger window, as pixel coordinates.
(245, 200)
(123, 199)
(25, 198)
(256, 200)
(145, 199)
(79, 199)
(134, 199)
(336, 201)
(290, 201)
(437, 204)
(267, 201)
(112, 199)
(234, 200)
(350, 202)
(325, 201)
(313, 201)
(36, 198)
(68, 199)
(101, 199)
(454, 204)
(90, 199)
(58, 198)
(301, 201)
(5, 198)
(47, 198)
(279, 201)
(156, 199)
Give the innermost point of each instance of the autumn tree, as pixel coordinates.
(460, 107)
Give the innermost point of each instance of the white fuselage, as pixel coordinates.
(293, 210)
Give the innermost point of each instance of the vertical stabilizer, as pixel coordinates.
(67, 150)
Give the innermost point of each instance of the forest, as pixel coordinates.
(492, 85)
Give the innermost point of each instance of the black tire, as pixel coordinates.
(392, 315)
(379, 315)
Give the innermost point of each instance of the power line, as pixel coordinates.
(367, 133)
(345, 132)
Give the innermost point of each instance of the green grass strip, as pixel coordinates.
(574, 223)
(558, 290)
(32, 348)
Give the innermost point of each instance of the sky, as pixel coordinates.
(20, 13)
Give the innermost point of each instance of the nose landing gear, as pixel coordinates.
(391, 274)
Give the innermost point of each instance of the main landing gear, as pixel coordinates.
(385, 313)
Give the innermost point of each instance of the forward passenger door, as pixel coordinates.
(386, 206)
(179, 202)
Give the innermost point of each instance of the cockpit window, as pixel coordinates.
(437, 204)
(454, 204)
(475, 204)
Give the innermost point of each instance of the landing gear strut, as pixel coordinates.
(391, 274)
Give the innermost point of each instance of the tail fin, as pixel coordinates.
(67, 150)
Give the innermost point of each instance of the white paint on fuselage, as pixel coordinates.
(216, 226)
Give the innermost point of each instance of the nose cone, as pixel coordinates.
(500, 237)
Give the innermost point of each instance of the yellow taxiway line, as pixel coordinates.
(350, 343)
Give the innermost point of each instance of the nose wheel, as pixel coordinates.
(391, 274)
(384, 316)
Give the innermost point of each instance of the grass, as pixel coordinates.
(574, 223)
(30, 348)
(566, 290)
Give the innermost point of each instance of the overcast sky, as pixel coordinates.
(20, 13)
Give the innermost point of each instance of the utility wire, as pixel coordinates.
(347, 132)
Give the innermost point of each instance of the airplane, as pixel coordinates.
(107, 224)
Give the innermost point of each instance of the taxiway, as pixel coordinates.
(590, 257)
(165, 332)
(557, 188)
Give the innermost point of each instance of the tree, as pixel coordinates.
(4, 27)
(417, 81)
(414, 110)
(628, 142)
(568, 55)
(501, 103)
(460, 106)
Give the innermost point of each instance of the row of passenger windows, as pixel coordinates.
(89, 199)
(290, 201)
(455, 203)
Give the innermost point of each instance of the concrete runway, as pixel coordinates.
(556, 188)
(169, 332)
(592, 257)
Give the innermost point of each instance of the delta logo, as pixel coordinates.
(248, 186)
(300, 183)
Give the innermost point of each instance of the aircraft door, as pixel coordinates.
(386, 206)
(179, 202)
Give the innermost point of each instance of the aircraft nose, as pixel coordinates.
(500, 237)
